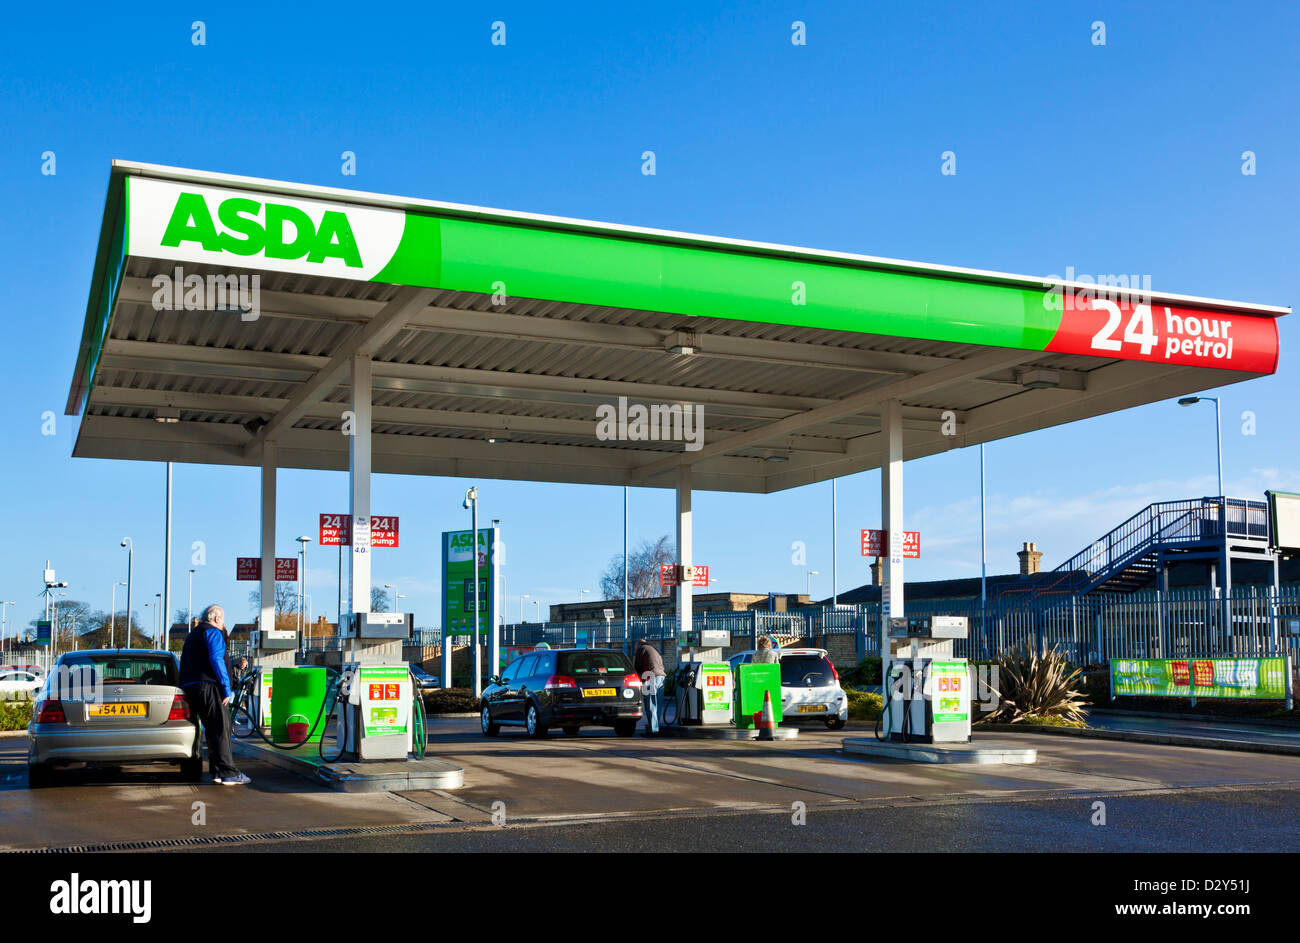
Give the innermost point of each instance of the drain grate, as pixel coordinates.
(191, 841)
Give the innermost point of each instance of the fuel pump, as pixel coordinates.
(703, 680)
(377, 714)
(271, 649)
(928, 689)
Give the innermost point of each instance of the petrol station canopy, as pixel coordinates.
(496, 337)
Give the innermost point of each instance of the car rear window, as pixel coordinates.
(586, 664)
(799, 670)
(128, 669)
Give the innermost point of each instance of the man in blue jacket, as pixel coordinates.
(206, 684)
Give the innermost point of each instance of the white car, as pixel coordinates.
(810, 686)
(19, 684)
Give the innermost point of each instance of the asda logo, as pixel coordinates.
(465, 541)
(247, 227)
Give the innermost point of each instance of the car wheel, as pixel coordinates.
(625, 728)
(571, 731)
(192, 769)
(39, 775)
(834, 723)
(490, 729)
(533, 722)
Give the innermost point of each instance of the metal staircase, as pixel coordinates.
(1129, 557)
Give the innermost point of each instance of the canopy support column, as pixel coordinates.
(685, 617)
(267, 619)
(891, 510)
(359, 484)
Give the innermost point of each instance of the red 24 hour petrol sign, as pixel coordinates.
(1193, 337)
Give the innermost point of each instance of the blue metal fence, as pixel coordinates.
(1092, 628)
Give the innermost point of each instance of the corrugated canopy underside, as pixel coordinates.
(468, 388)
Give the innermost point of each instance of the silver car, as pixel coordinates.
(112, 706)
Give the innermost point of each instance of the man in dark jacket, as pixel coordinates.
(206, 684)
(649, 664)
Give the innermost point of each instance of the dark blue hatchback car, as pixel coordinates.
(565, 688)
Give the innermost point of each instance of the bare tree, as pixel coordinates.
(286, 599)
(378, 599)
(642, 571)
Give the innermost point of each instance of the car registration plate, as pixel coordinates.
(598, 692)
(812, 708)
(133, 709)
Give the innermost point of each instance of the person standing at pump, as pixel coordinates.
(649, 664)
(766, 654)
(206, 684)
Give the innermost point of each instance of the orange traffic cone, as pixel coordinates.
(767, 719)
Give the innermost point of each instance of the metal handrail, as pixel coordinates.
(1131, 540)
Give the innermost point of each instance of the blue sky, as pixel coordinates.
(1123, 158)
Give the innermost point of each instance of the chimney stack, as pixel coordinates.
(1031, 559)
(875, 572)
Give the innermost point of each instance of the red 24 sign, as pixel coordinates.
(1193, 337)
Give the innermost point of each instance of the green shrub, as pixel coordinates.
(863, 705)
(1034, 685)
(15, 715)
(1050, 721)
(863, 674)
(451, 701)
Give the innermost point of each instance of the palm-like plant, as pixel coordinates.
(1030, 684)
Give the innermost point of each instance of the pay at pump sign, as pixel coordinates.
(336, 531)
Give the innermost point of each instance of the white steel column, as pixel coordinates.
(267, 584)
(891, 510)
(167, 568)
(684, 590)
(359, 485)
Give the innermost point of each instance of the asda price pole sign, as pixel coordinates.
(1261, 678)
(458, 580)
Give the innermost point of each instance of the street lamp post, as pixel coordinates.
(471, 504)
(303, 541)
(112, 618)
(130, 583)
(390, 596)
(4, 612)
(522, 597)
(159, 623)
(1218, 429)
(983, 542)
(811, 574)
(189, 605)
(54, 627)
(165, 609)
(538, 604)
(835, 539)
